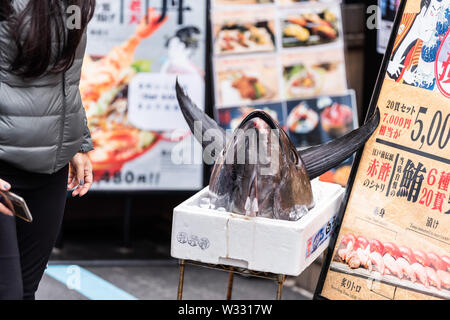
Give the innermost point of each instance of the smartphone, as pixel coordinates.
(17, 205)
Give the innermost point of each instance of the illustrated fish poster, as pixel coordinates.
(285, 57)
(135, 51)
(394, 239)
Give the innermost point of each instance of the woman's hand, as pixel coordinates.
(80, 174)
(5, 186)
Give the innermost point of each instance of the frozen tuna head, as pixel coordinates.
(259, 171)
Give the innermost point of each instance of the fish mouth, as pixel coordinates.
(285, 144)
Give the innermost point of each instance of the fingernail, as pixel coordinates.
(6, 186)
(81, 182)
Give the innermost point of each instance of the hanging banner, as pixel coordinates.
(136, 50)
(287, 58)
(394, 240)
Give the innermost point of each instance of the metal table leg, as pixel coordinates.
(281, 279)
(181, 280)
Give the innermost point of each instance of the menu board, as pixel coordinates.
(135, 51)
(394, 239)
(285, 57)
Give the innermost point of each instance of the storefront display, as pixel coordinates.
(286, 58)
(394, 240)
(134, 54)
(262, 191)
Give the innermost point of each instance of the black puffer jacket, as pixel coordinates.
(42, 121)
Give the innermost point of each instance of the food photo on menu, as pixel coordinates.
(400, 264)
(237, 31)
(246, 80)
(328, 116)
(310, 25)
(313, 73)
(244, 38)
(315, 121)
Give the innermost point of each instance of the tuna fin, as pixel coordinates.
(193, 114)
(320, 159)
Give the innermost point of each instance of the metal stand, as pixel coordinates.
(230, 285)
(280, 279)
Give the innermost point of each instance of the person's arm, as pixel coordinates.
(80, 174)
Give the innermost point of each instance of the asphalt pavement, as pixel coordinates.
(150, 280)
(92, 263)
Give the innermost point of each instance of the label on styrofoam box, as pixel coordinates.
(193, 240)
(153, 104)
(316, 240)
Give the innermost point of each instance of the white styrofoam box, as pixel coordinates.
(255, 243)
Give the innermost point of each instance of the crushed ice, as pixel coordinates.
(298, 212)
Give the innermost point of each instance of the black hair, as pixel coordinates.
(35, 29)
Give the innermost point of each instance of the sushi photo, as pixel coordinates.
(303, 125)
(244, 38)
(337, 119)
(310, 26)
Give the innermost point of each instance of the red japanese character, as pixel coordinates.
(385, 170)
(444, 71)
(372, 170)
(439, 201)
(444, 181)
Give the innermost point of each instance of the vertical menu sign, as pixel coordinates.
(136, 49)
(394, 240)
